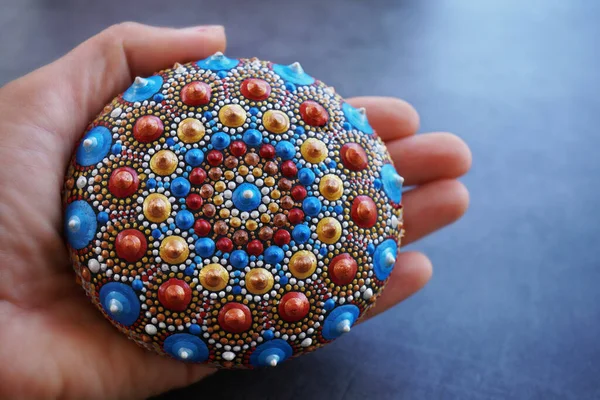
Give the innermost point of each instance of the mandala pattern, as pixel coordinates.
(232, 212)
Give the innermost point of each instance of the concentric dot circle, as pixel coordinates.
(232, 212)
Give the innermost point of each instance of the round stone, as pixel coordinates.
(233, 212)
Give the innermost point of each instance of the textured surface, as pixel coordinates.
(513, 308)
(232, 211)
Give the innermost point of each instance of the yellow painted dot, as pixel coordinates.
(275, 194)
(265, 218)
(220, 186)
(331, 187)
(190, 130)
(313, 150)
(273, 207)
(257, 172)
(243, 170)
(218, 200)
(232, 115)
(224, 213)
(235, 222)
(156, 207)
(259, 281)
(174, 250)
(214, 277)
(229, 175)
(303, 264)
(329, 230)
(163, 162)
(251, 225)
(276, 121)
(269, 181)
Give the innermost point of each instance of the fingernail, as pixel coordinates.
(204, 28)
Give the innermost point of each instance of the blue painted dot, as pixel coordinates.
(208, 115)
(143, 91)
(236, 290)
(273, 255)
(151, 183)
(158, 97)
(189, 270)
(94, 146)
(194, 348)
(290, 87)
(156, 233)
(329, 305)
(252, 137)
(268, 335)
(347, 126)
(194, 157)
(220, 140)
(254, 111)
(137, 284)
(195, 329)
(205, 247)
(184, 219)
(120, 302)
(311, 206)
(323, 251)
(294, 74)
(392, 183)
(102, 217)
(357, 119)
(306, 176)
(246, 197)
(116, 148)
(239, 259)
(222, 74)
(301, 233)
(286, 150)
(338, 209)
(370, 248)
(283, 280)
(377, 184)
(80, 224)
(180, 187)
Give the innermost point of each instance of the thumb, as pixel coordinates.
(65, 95)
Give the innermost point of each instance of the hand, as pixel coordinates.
(54, 343)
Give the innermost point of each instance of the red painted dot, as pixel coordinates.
(354, 156)
(313, 113)
(281, 237)
(201, 227)
(295, 216)
(267, 151)
(196, 93)
(364, 212)
(175, 294)
(293, 307)
(342, 269)
(225, 245)
(298, 192)
(214, 157)
(197, 176)
(194, 201)
(235, 317)
(148, 128)
(131, 245)
(255, 248)
(255, 89)
(123, 182)
(289, 169)
(238, 148)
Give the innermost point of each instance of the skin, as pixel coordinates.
(53, 342)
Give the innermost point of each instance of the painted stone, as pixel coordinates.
(232, 212)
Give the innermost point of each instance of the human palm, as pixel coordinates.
(52, 342)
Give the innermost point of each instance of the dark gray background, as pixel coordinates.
(513, 308)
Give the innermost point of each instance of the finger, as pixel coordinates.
(413, 270)
(433, 206)
(75, 88)
(391, 118)
(428, 157)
